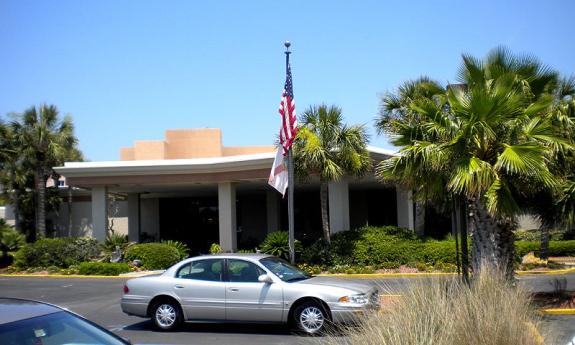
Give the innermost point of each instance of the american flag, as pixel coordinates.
(287, 112)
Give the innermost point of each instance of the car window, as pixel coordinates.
(55, 329)
(209, 269)
(284, 270)
(243, 271)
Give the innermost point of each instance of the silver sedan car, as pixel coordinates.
(246, 288)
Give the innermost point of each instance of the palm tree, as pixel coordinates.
(326, 147)
(44, 141)
(486, 141)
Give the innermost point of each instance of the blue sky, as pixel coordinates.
(129, 70)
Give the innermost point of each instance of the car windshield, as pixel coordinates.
(60, 328)
(284, 270)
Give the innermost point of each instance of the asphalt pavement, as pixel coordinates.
(99, 301)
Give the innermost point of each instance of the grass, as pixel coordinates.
(448, 312)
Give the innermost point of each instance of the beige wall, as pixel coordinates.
(246, 150)
(187, 143)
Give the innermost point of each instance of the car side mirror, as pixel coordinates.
(264, 278)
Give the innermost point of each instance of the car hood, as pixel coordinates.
(338, 282)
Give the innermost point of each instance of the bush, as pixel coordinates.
(154, 256)
(114, 240)
(181, 247)
(377, 245)
(215, 248)
(103, 268)
(556, 248)
(277, 243)
(447, 311)
(10, 239)
(58, 252)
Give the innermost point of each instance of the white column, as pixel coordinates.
(9, 215)
(227, 216)
(273, 210)
(150, 217)
(99, 213)
(134, 217)
(338, 200)
(405, 217)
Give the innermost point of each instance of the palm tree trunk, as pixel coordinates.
(16, 209)
(41, 203)
(69, 211)
(544, 250)
(420, 218)
(324, 215)
(492, 240)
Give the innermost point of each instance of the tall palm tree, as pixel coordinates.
(328, 148)
(45, 141)
(486, 141)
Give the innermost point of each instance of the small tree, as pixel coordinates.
(326, 147)
(35, 141)
(490, 141)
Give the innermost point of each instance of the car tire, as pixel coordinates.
(310, 318)
(166, 315)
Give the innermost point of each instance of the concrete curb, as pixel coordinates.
(553, 272)
(58, 276)
(559, 311)
(121, 276)
(435, 274)
(338, 275)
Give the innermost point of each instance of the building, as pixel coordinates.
(191, 188)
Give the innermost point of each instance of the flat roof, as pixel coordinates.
(225, 164)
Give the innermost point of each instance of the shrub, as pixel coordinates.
(446, 312)
(10, 239)
(277, 243)
(103, 268)
(114, 240)
(311, 269)
(215, 248)
(154, 256)
(556, 248)
(59, 252)
(181, 247)
(319, 253)
(376, 245)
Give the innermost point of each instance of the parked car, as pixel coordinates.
(246, 288)
(25, 322)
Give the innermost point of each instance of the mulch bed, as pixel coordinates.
(554, 300)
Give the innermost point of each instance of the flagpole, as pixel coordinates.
(287, 44)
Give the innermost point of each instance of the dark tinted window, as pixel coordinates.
(209, 269)
(243, 271)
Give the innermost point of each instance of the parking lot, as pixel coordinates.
(99, 301)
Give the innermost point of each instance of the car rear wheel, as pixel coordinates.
(166, 315)
(311, 318)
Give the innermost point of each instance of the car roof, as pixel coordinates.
(14, 309)
(253, 256)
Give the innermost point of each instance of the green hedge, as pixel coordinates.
(103, 268)
(377, 245)
(58, 252)
(556, 248)
(154, 256)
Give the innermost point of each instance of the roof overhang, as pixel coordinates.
(178, 171)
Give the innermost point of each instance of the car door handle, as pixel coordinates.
(178, 286)
(234, 289)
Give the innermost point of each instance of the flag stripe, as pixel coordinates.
(286, 109)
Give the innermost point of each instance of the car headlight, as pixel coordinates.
(355, 299)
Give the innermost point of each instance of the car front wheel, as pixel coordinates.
(310, 318)
(166, 315)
